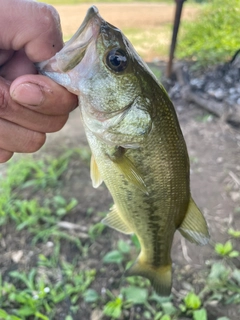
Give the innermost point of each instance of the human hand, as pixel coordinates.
(31, 105)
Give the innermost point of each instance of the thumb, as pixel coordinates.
(31, 25)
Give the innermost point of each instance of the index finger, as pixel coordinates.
(31, 25)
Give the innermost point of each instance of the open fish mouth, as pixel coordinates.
(74, 50)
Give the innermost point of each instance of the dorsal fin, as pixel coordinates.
(95, 174)
(194, 227)
(114, 220)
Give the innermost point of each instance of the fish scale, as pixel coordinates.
(138, 149)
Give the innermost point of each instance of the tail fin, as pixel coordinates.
(160, 277)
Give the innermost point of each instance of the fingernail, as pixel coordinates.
(28, 94)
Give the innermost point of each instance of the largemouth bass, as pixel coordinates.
(137, 146)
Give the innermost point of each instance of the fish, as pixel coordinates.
(138, 149)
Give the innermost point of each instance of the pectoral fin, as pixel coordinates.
(95, 174)
(114, 220)
(194, 227)
(131, 173)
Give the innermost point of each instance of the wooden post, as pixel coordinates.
(177, 18)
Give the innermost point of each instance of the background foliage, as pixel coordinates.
(214, 36)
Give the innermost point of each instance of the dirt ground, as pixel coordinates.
(123, 15)
(214, 150)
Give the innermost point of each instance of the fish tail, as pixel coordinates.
(160, 277)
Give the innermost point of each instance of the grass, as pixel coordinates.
(31, 205)
(214, 36)
(151, 42)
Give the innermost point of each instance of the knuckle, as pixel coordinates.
(49, 16)
(58, 124)
(4, 101)
(34, 141)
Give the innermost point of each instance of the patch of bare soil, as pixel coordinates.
(122, 15)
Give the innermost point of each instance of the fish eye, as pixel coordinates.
(117, 60)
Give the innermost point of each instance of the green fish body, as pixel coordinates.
(137, 146)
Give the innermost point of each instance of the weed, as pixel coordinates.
(52, 281)
(226, 249)
(213, 37)
(35, 295)
(113, 308)
(234, 233)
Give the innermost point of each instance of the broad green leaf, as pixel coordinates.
(158, 315)
(218, 272)
(113, 308)
(234, 233)
(136, 242)
(91, 295)
(224, 249)
(166, 317)
(114, 256)
(200, 314)
(236, 275)
(234, 254)
(135, 294)
(123, 246)
(168, 308)
(192, 301)
(3, 314)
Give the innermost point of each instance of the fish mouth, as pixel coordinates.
(74, 50)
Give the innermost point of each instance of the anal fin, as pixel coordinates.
(95, 174)
(194, 227)
(113, 220)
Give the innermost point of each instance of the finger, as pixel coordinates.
(5, 55)
(25, 117)
(43, 95)
(14, 138)
(17, 66)
(5, 155)
(30, 25)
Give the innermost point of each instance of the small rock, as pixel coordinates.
(232, 90)
(219, 94)
(96, 314)
(17, 256)
(238, 89)
(49, 244)
(228, 79)
(197, 83)
(235, 196)
(219, 160)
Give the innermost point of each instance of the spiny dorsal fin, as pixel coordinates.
(130, 172)
(95, 174)
(194, 227)
(114, 220)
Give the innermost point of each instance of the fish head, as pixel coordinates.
(99, 64)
